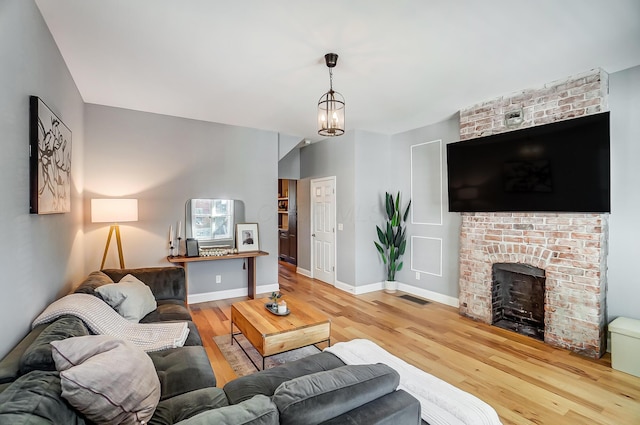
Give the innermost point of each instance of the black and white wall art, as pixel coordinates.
(49, 161)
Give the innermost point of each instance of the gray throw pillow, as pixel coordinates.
(108, 379)
(315, 398)
(258, 410)
(130, 297)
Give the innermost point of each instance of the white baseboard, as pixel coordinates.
(430, 295)
(372, 287)
(344, 287)
(423, 293)
(303, 272)
(230, 293)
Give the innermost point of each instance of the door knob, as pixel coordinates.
(313, 235)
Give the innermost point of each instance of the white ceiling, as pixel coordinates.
(403, 64)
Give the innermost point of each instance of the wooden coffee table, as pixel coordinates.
(271, 334)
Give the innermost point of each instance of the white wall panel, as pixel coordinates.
(426, 255)
(426, 183)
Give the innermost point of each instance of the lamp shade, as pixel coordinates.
(114, 210)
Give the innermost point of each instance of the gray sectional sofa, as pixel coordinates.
(317, 389)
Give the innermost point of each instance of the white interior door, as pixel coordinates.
(323, 229)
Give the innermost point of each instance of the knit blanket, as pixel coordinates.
(441, 403)
(101, 319)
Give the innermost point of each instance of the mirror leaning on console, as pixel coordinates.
(212, 222)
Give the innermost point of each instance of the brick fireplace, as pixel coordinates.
(570, 249)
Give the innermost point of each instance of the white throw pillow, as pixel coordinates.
(109, 380)
(130, 297)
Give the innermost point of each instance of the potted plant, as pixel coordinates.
(274, 299)
(392, 239)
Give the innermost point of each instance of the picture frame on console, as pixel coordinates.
(247, 238)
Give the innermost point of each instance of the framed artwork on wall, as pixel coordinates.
(247, 237)
(49, 160)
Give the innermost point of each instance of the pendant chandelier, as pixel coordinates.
(331, 105)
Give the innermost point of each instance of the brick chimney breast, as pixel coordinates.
(570, 247)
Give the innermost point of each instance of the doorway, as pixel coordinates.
(323, 229)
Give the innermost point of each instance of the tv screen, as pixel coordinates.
(558, 167)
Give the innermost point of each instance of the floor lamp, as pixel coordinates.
(114, 211)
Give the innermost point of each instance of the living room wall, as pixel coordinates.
(41, 255)
(624, 231)
(366, 165)
(332, 157)
(442, 287)
(163, 161)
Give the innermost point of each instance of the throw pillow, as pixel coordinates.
(38, 355)
(315, 398)
(108, 379)
(130, 297)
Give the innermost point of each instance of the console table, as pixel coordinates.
(181, 260)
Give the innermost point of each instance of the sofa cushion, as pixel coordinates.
(318, 397)
(108, 379)
(130, 297)
(34, 399)
(265, 382)
(258, 410)
(182, 369)
(166, 283)
(184, 406)
(38, 355)
(168, 310)
(93, 281)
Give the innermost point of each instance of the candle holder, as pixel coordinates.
(178, 247)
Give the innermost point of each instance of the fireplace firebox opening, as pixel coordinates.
(517, 296)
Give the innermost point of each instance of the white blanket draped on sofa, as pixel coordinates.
(441, 402)
(101, 319)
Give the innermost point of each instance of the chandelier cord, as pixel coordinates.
(330, 79)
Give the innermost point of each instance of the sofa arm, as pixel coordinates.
(10, 364)
(166, 283)
(265, 382)
(398, 407)
(319, 397)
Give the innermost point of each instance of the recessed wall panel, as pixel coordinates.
(426, 183)
(426, 255)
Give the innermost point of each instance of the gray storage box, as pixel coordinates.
(625, 345)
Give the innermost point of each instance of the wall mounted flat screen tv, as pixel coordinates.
(558, 167)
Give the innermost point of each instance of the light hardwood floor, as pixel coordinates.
(526, 381)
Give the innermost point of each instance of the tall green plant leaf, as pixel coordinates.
(406, 212)
(382, 237)
(403, 246)
(381, 251)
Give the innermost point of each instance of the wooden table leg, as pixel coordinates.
(251, 276)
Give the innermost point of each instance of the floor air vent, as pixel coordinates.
(414, 299)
